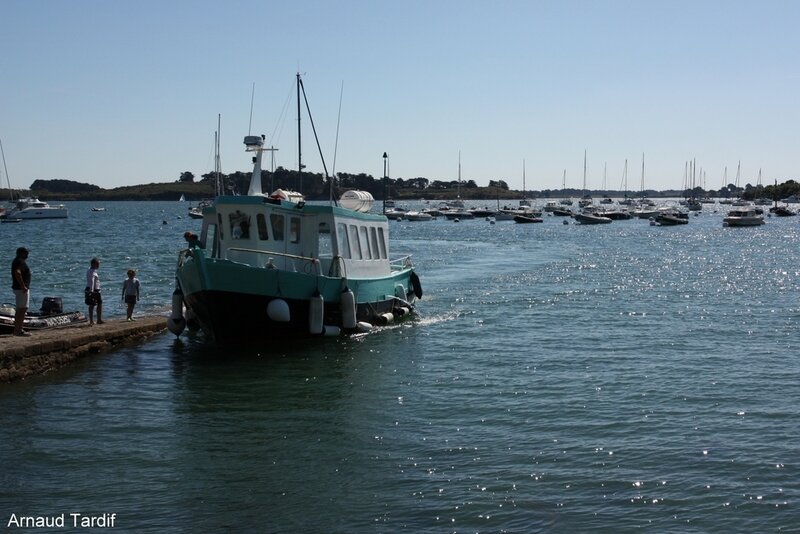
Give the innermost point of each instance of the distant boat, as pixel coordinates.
(182, 199)
(524, 219)
(671, 217)
(98, 209)
(196, 212)
(418, 216)
(782, 211)
(590, 218)
(743, 217)
(33, 208)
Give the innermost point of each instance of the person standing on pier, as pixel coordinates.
(21, 284)
(92, 292)
(130, 292)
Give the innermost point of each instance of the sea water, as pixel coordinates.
(557, 378)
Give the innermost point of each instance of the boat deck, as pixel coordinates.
(46, 350)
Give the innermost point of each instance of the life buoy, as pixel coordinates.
(416, 287)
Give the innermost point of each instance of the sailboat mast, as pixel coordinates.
(625, 178)
(584, 172)
(523, 178)
(458, 194)
(5, 169)
(643, 175)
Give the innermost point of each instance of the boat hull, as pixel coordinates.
(742, 221)
(32, 213)
(583, 218)
(34, 321)
(230, 301)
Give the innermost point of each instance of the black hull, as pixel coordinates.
(38, 321)
(228, 316)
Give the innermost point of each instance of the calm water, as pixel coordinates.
(559, 378)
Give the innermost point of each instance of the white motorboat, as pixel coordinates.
(417, 216)
(743, 217)
(589, 217)
(33, 208)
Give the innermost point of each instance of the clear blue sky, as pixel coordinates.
(121, 93)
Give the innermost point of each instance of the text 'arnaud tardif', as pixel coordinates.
(71, 520)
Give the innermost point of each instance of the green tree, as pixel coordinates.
(186, 177)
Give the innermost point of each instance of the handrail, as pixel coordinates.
(312, 261)
(400, 262)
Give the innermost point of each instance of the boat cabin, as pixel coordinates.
(297, 236)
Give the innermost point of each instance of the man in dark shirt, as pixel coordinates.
(20, 283)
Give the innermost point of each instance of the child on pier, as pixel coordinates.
(130, 292)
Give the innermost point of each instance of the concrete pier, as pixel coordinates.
(50, 349)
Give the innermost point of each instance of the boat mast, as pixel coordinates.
(625, 178)
(585, 191)
(5, 169)
(385, 178)
(643, 175)
(218, 188)
(299, 137)
(458, 194)
(523, 178)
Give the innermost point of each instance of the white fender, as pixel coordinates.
(348, 303)
(316, 309)
(364, 326)
(176, 323)
(331, 330)
(385, 318)
(402, 310)
(278, 311)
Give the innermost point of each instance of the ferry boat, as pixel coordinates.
(276, 265)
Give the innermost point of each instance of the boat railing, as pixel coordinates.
(400, 263)
(310, 262)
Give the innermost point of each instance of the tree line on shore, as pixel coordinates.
(315, 187)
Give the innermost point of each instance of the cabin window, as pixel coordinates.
(294, 229)
(210, 239)
(356, 246)
(276, 221)
(341, 240)
(382, 242)
(261, 223)
(324, 241)
(240, 225)
(376, 251)
(364, 239)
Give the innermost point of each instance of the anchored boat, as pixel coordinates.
(276, 264)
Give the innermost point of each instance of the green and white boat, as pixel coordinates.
(275, 264)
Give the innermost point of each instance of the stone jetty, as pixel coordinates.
(50, 349)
